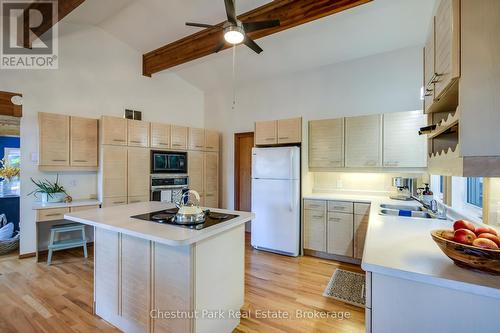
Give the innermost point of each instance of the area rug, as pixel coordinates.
(348, 287)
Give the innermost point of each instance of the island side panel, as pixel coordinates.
(219, 279)
(422, 307)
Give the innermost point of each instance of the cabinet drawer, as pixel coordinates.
(82, 208)
(114, 201)
(340, 206)
(315, 204)
(361, 208)
(51, 214)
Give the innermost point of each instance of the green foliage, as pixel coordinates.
(46, 186)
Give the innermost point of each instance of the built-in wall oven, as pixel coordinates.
(168, 188)
(168, 162)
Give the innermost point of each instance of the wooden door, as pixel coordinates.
(266, 132)
(84, 141)
(138, 133)
(326, 143)
(196, 139)
(211, 179)
(363, 141)
(196, 163)
(114, 171)
(340, 229)
(179, 137)
(429, 60)
(53, 139)
(138, 161)
(290, 130)
(212, 139)
(160, 135)
(113, 131)
(243, 144)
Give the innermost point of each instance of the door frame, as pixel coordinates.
(238, 136)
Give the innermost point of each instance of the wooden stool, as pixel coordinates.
(55, 245)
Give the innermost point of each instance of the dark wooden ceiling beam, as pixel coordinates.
(7, 108)
(291, 13)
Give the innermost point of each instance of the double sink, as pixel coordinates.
(404, 211)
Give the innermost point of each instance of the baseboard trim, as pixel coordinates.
(27, 255)
(329, 256)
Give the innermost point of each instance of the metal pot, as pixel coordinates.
(190, 212)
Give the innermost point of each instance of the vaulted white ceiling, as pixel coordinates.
(377, 27)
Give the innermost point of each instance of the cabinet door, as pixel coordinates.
(403, 147)
(447, 48)
(196, 164)
(138, 133)
(83, 141)
(138, 161)
(179, 137)
(315, 230)
(196, 139)
(326, 143)
(211, 179)
(54, 139)
(113, 131)
(360, 227)
(429, 60)
(340, 234)
(212, 139)
(160, 135)
(266, 132)
(290, 130)
(114, 171)
(363, 141)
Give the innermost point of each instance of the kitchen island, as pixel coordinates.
(152, 277)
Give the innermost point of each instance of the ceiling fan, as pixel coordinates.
(235, 31)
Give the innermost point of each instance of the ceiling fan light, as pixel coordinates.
(234, 35)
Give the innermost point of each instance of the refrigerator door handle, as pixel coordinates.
(292, 195)
(291, 164)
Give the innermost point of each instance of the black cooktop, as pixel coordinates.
(167, 217)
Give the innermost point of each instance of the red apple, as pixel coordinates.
(490, 237)
(448, 234)
(485, 230)
(461, 224)
(485, 243)
(464, 236)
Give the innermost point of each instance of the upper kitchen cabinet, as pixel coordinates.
(266, 132)
(83, 142)
(196, 139)
(402, 146)
(429, 77)
(113, 131)
(363, 147)
(179, 137)
(289, 130)
(212, 139)
(138, 133)
(53, 140)
(326, 143)
(160, 135)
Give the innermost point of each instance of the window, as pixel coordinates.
(475, 191)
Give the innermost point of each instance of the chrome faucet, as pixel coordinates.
(433, 208)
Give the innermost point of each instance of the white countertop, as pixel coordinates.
(403, 247)
(117, 218)
(74, 203)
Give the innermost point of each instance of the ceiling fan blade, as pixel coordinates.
(253, 45)
(220, 47)
(253, 26)
(230, 11)
(199, 25)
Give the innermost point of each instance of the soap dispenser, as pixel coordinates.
(427, 195)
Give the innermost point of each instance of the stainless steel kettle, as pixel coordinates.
(189, 211)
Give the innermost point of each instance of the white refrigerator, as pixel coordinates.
(276, 199)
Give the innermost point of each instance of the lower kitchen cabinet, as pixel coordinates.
(360, 228)
(315, 229)
(340, 234)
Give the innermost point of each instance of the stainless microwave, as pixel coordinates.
(168, 162)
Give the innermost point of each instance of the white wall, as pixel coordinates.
(97, 75)
(388, 82)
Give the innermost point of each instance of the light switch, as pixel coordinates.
(34, 157)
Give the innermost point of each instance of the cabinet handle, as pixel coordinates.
(199, 146)
(209, 195)
(135, 141)
(269, 139)
(119, 140)
(334, 218)
(210, 147)
(53, 214)
(284, 137)
(135, 201)
(176, 145)
(339, 207)
(370, 163)
(118, 202)
(80, 161)
(58, 160)
(317, 216)
(164, 143)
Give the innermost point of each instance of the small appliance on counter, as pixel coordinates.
(405, 188)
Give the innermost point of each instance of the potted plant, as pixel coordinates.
(51, 192)
(8, 173)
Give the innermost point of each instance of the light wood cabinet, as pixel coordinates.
(113, 131)
(340, 234)
(315, 229)
(179, 137)
(266, 132)
(114, 171)
(138, 133)
(196, 139)
(54, 139)
(51, 214)
(429, 71)
(290, 130)
(160, 135)
(83, 142)
(326, 143)
(403, 147)
(360, 228)
(138, 172)
(196, 163)
(211, 179)
(212, 139)
(363, 146)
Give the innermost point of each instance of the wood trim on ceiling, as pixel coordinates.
(7, 108)
(291, 13)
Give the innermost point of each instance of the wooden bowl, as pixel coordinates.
(468, 256)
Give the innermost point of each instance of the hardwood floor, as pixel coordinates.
(58, 298)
